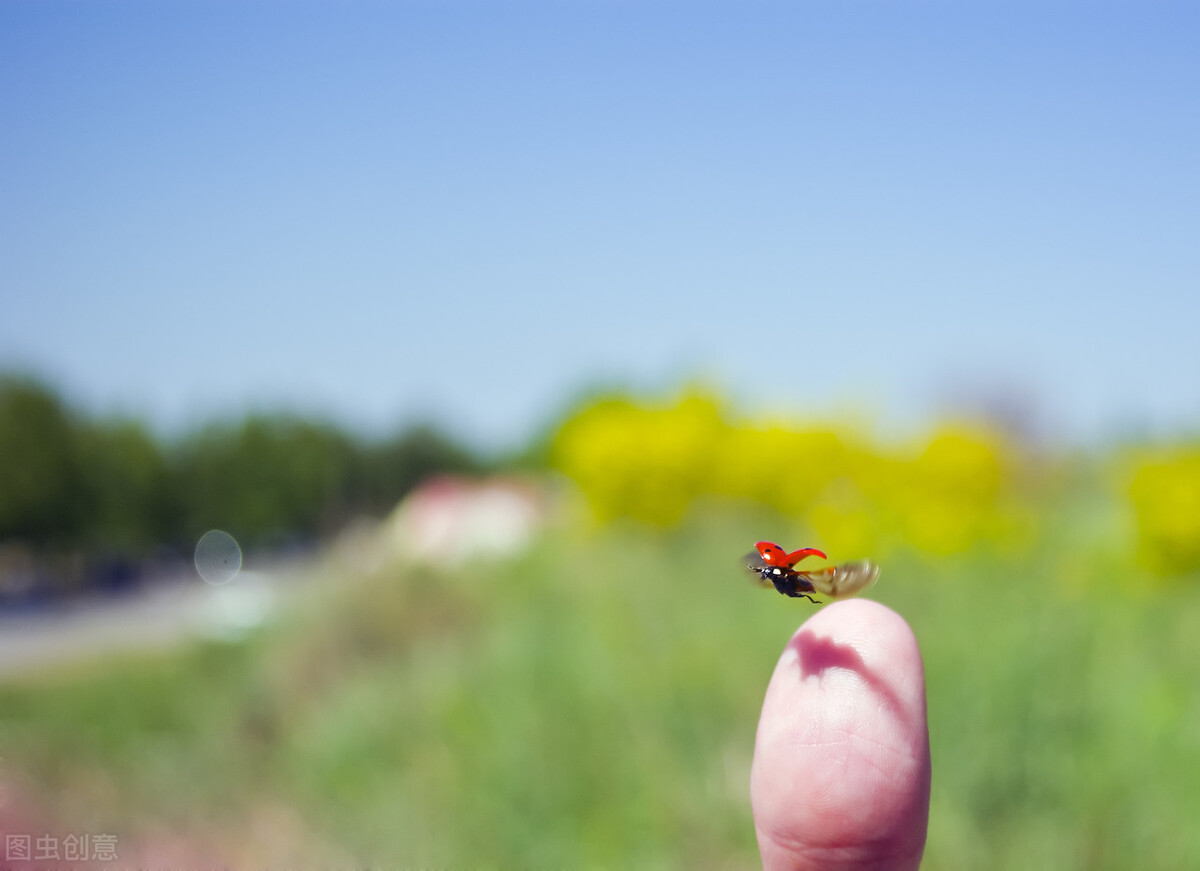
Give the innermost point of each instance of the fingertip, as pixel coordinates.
(841, 765)
(861, 632)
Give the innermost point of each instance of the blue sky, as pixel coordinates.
(470, 212)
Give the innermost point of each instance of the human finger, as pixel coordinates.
(841, 768)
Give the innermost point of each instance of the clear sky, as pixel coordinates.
(472, 211)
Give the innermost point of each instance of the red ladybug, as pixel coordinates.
(773, 565)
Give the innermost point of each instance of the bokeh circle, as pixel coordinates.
(218, 557)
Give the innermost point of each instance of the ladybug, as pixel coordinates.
(773, 565)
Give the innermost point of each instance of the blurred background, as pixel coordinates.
(389, 392)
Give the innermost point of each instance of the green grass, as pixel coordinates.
(593, 704)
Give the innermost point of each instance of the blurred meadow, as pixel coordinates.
(569, 675)
(390, 392)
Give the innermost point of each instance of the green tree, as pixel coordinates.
(386, 470)
(126, 479)
(43, 498)
(266, 478)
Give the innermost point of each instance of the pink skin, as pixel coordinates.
(841, 762)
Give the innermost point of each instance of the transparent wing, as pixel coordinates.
(842, 581)
(753, 562)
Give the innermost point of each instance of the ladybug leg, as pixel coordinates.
(807, 596)
(804, 589)
(795, 587)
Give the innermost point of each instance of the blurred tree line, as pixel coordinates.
(70, 483)
(109, 489)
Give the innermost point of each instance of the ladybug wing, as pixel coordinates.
(845, 580)
(772, 554)
(797, 555)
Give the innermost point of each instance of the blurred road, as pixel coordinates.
(162, 614)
